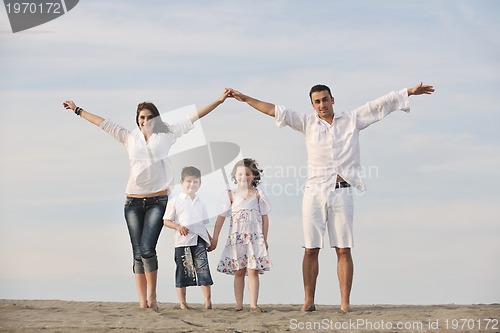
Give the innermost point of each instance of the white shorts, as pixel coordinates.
(328, 209)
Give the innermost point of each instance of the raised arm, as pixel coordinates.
(379, 108)
(200, 113)
(90, 117)
(420, 89)
(264, 107)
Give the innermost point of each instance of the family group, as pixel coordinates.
(334, 168)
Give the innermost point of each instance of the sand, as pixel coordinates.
(86, 317)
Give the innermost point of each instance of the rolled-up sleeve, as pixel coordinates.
(377, 109)
(116, 131)
(182, 127)
(287, 117)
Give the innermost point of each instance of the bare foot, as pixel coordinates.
(256, 309)
(208, 306)
(153, 305)
(308, 308)
(143, 305)
(184, 306)
(345, 309)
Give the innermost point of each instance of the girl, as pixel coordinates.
(246, 247)
(148, 182)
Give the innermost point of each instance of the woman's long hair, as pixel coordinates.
(159, 125)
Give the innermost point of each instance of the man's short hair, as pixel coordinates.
(318, 88)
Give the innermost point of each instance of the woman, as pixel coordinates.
(148, 182)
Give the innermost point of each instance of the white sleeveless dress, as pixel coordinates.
(245, 247)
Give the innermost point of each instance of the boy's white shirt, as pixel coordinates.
(190, 213)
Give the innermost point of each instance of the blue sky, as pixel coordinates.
(427, 231)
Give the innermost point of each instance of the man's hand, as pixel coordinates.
(238, 95)
(420, 89)
(264, 107)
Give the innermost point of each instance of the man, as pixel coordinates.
(332, 142)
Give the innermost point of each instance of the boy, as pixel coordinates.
(187, 214)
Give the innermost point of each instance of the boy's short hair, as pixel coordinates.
(190, 171)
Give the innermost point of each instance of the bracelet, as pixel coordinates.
(78, 110)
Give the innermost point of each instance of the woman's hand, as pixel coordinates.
(225, 94)
(70, 105)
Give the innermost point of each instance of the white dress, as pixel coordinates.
(245, 247)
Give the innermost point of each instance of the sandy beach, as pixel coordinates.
(83, 317)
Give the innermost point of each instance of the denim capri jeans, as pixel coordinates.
(144, 218)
